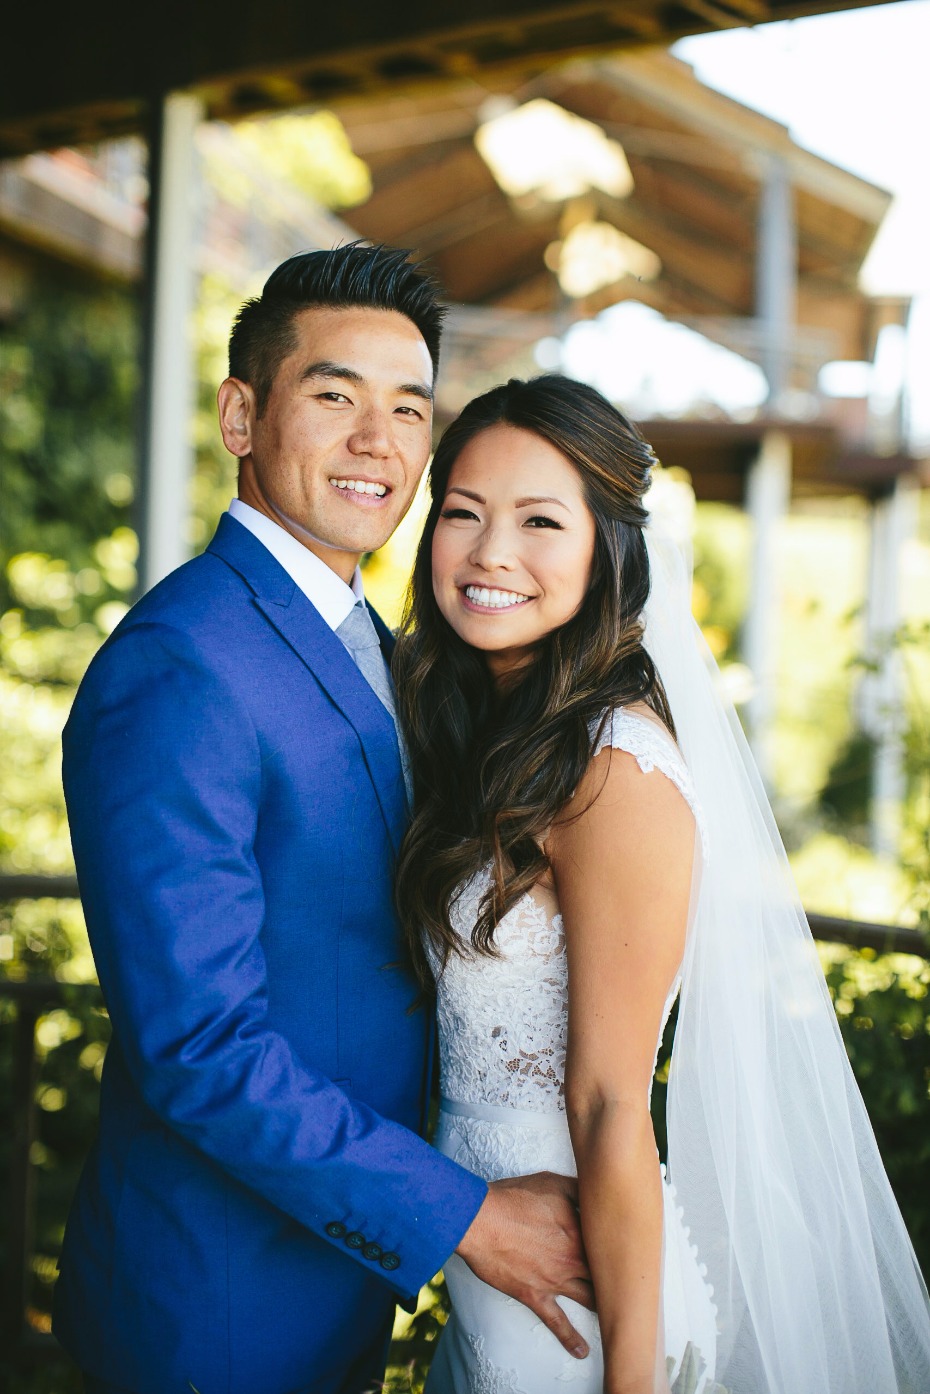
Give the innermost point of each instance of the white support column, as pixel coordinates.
(776, 277)
(168, 387)
(880, 697)
(768, 481)
(768, 494)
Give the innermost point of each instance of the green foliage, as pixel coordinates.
(311, 154)
(914, 645)
(882, 1006)
(68, 378)
(845, 797)
(721, 568)
(415, 1340)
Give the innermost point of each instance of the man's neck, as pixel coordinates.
(342, 563)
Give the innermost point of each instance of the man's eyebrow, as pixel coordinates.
(327, 369)
(340, 371)
(416, 389)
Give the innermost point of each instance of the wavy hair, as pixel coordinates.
(492, 768)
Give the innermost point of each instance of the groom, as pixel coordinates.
(260, 1195)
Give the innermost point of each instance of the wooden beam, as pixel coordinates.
(669, 86)
(89, 76)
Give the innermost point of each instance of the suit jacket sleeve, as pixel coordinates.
(163, 784)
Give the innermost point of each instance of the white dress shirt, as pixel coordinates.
(319, 583)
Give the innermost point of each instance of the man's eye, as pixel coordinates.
(539, 520)
(411, 411)
(332, 397)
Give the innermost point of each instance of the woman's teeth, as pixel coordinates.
(496, 600)
(360, 486)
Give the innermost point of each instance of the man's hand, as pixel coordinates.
(526, 1241)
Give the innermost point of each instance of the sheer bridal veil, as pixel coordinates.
(771, 1152)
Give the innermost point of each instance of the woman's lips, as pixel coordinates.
(493, 599)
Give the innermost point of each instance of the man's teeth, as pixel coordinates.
(360, 486)
(497, 600)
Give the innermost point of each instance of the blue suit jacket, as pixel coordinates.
(259, 1196)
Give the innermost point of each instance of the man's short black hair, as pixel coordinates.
(352, 276)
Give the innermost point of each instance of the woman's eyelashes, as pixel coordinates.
(461, 513)
(538, 520)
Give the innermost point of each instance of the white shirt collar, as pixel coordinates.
(319, 583)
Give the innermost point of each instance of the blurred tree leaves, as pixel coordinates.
(311, 154)
(68, 378)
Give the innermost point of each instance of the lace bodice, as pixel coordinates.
(503, 1020)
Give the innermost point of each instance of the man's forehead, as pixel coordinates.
(351, 321)
(377, 344)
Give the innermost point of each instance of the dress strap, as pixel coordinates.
(653, 748)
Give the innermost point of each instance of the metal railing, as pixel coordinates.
(22, 1345)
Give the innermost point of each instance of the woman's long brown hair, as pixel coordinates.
(493, 769)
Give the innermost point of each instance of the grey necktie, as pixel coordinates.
(360, 637)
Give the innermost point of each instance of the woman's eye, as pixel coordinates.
(539, 520)
(465, 513)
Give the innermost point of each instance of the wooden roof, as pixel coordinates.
(717, 456)
(80, 73)
(697, 160)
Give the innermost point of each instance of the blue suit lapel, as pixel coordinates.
(302, 627)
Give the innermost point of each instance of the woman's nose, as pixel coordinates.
(493, 550)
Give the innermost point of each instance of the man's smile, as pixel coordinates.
(361, 490)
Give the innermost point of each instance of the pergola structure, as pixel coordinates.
(759, 241)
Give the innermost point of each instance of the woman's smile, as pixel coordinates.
(482, 600)
(513, 545)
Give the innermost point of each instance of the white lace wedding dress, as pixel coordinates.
(502, 1033)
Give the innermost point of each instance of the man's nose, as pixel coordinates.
(373, 435)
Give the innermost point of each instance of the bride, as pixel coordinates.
(590, 841)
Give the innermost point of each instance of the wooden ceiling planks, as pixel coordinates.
(697, 160)
(91, 75)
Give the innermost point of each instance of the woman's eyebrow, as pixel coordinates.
(541, 498)
(527, 502)
(457, 489)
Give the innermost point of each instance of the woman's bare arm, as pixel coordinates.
(623, 875)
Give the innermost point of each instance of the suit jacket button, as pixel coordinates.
(372, 1251)
(335, 1230)
(390, 1262)
(355, 1240)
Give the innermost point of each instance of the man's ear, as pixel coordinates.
(235, 401)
